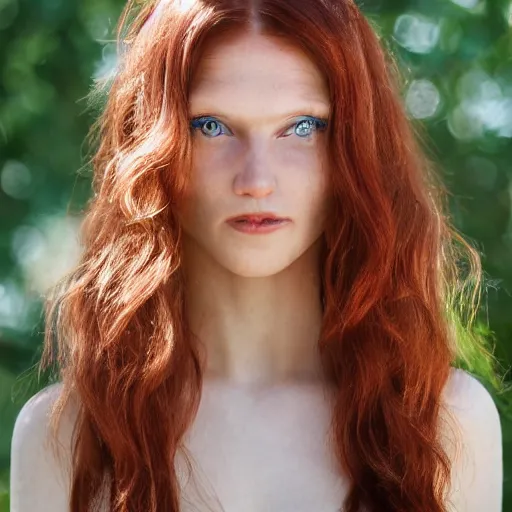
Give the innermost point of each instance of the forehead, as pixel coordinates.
(254, 70)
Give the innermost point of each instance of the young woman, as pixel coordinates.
(268, 312)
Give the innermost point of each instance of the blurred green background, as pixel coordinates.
(456, 56)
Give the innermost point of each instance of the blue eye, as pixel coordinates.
(209, 126)
(212, 127)
(306, 126)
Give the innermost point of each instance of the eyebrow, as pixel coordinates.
(316, 109)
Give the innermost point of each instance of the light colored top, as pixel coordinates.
(265, 451)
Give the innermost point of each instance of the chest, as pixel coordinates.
(258, 453)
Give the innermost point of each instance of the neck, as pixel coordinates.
(257, 331)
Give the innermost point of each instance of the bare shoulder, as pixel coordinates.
(39, 481)
(476, 451)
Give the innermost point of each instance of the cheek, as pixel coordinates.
(211, 167)
(206, 177)
(305, 178)
(205, 197)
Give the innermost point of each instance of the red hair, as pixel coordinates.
(398, 310)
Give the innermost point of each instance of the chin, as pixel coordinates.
(245, 266)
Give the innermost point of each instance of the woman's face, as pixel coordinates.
(258, 108)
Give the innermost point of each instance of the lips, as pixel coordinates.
(260, 223)
(260, 219)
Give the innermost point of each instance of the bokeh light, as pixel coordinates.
(16, 179)
(416, 33)
(422, 99)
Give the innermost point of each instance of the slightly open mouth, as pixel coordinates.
(260, 222)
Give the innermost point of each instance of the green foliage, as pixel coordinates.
(4, 491)
(4, 501)
(457, 86)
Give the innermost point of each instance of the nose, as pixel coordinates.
(256, 178)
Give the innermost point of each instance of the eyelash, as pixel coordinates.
(198, 123)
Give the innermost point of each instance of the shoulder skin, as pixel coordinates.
(477, 471)
(39, 481)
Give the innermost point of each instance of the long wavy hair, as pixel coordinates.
(401, 286)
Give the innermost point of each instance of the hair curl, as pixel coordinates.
(398, 279)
